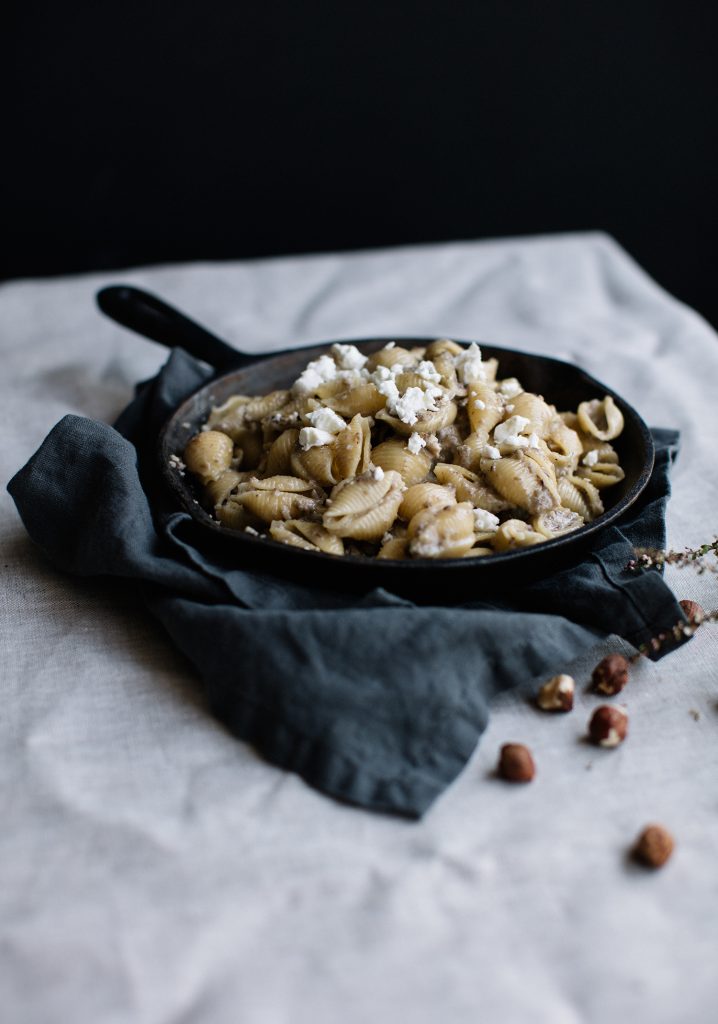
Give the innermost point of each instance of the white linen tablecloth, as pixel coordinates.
(153, 869)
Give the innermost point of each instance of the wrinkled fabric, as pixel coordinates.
(369, 698)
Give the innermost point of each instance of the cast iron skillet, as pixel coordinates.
(560, 383)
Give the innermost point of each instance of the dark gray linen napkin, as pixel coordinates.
(369, 698)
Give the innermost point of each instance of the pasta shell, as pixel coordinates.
(208, 454)
(580, 496)
(250, 443)
(524, 481)
(478, 552)
(389, 357)
(240, 410)
(485, 409)
(470, 487)
(422, 496)
(442, 531)
(395, 547)
(539, 414)
(269, 505)
(515, 533)
(217, 491)
(564, 445)
(309, 536)
(278, 457)
(233, 515)
(428, 421)
(557, 522)
(364, 508)
(445, 365)
(601, 418)
(443, 345)
(601, 474)
(352, 449)
(314, 464)
(394, 454)
(364, 399)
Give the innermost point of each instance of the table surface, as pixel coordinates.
(154, 869)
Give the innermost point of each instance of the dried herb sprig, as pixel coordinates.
(696, 558)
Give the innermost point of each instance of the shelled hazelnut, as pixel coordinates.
(516, 763)
(610, 675)
(692, 611)
(654, 846)
(608, 726)
(556, 694)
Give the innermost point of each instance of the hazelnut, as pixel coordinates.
(654, 846)
(693, 612)
(608, 726)
(556, 694)
(516, 763)
(610, 675)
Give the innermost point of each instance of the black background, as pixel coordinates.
(150, 132)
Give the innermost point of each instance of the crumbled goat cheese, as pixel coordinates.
(348, 357)
(414, 401)
(590, 458)
(415, 443)
(509, 408)
(389, 389)
(489, 452)
(319, 371)
(311, 437)
(485, 521)
(427, 371)
(478, 404)
(534, 441)
(390, 344)
(469, 366)
(327, 420)
(251, 531)
(507, 432)
(378, 473)
(510, 387)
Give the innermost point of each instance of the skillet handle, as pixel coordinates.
(149, 316)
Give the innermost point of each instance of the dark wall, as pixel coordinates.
(182, 131)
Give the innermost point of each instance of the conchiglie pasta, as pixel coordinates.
(414, 452)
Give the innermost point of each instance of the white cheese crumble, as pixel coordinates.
(415, 443)
(485, 522)
(469, 365)
(590, 458)
(311, 437)
(479, 404)
(378, 473)
(508, 431)
(428, 372)
(348, 357)
(414, 401)
(489, 452)
(510, 387)
(327, 420)
(317, 372)
(534, 441)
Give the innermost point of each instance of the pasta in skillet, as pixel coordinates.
(406, 453)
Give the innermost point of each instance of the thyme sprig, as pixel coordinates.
(696, 558)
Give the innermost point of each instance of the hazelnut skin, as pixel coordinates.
(610, 675)
(693, 612)
(608, 726)
(654, 846)
(516, 763)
